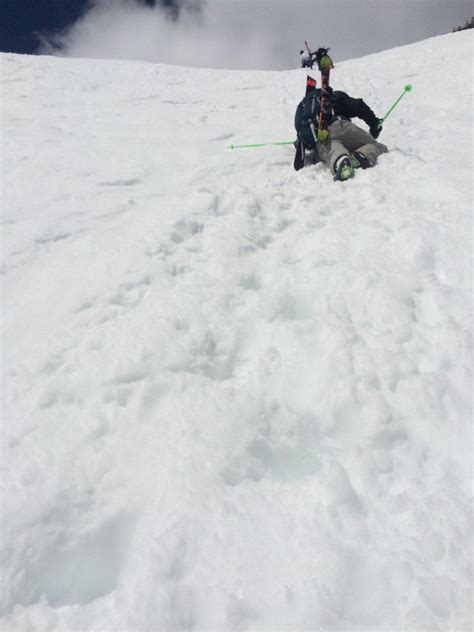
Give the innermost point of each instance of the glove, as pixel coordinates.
(376, 128)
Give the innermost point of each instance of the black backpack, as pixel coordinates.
(306, 119)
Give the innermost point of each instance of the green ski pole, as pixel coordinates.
(406, 89)
(282, 142)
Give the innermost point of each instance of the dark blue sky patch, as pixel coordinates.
(24, 23)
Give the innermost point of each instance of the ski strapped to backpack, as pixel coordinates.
(311, 105)
(325, 66)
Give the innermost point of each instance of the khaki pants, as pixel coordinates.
(344, 139)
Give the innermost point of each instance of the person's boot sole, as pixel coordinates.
(346, 173)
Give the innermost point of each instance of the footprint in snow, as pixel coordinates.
(130, 182)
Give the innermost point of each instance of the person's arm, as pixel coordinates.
(344, 105)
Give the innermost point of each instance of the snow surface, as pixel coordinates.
(235, 397)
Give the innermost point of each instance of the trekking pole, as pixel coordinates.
(406, 89)
(281, 142)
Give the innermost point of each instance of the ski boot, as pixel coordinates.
(358, 160)
(343, 169)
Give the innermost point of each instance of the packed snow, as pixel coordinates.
(235, 396)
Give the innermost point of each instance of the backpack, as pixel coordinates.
(306, 119)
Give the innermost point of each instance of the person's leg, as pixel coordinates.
(358, 140)
(334, 150)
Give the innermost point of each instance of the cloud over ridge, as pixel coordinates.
(183, 32)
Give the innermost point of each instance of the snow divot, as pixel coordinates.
(326, 211)
(78, 570)
(130, 182)
(84, 307)
(340, 489)
(137, 375)
(47, 240)
(241, 613)
(212, 357)
(281, 460)
(130, 293)
(250, 282)
(283, 225)
(185, 229)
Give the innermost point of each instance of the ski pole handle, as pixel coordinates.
(406, 89)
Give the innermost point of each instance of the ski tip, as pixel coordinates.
(408, 87)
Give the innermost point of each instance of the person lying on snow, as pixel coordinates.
(340, 144)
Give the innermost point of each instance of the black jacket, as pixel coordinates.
(346, 106)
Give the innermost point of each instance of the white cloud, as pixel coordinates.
(216, 37)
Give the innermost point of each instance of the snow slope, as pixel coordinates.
(235, 397)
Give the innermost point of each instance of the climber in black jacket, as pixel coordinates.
(347, 146)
